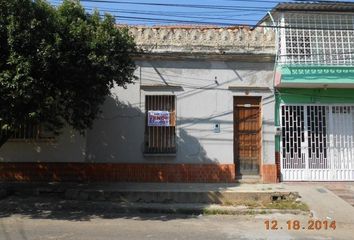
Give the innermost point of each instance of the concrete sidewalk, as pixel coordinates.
(55, 216)
(323, 203)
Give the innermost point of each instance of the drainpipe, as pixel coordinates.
(140, 105)
(276, 46)
(276, 111)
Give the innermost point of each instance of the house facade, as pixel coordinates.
(214, 104)
(314, 88)
(201, 110)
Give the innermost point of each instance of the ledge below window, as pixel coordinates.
(159, 154)
(249, 88)
(39, 140)
(159, 87)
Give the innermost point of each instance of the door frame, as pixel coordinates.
(260, 161)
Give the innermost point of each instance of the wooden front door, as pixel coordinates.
(247, 135)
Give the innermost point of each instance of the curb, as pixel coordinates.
(207, 197)
(197, 209)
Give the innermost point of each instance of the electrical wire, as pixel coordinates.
(257, 1)
(131, 18)
(224, 23)
(200, 6)
(168, 20)
(185, 15)
(170, 15)
(208, 13)
(203, 6)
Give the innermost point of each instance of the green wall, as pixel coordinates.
(316, 74)
(318, 95)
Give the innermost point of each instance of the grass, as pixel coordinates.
(247, 203)
(207, 211)
(281, 204)
(228, 203)
(287, 204)
(251, 204)
(263, 212)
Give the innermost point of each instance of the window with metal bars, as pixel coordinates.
(316, 39)
(160, 138)
(27, 132)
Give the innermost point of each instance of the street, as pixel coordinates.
(30, 217)
(162, 227)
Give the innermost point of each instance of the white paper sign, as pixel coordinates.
(158, 118)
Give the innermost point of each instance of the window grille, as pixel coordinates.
(316, 39)
(161, 139)
(317, 142)
(293, 128)
(27, 132)
(317, 136)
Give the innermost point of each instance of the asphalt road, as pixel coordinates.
(159, 227)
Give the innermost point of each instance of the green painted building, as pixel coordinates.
(314, 88)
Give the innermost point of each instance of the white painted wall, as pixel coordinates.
(118, 134)
(67, 147)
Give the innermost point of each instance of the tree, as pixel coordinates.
(57, 65)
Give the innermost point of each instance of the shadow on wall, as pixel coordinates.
(114, 152)
(118, 137)
(190, 148)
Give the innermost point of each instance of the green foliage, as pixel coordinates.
(57, 65)
(288, 204)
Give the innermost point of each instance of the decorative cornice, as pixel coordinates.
(204, 40)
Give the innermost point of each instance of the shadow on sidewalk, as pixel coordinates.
(70, 210)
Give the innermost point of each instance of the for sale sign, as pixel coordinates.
(158, 118)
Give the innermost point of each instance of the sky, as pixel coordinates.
(183, 12)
